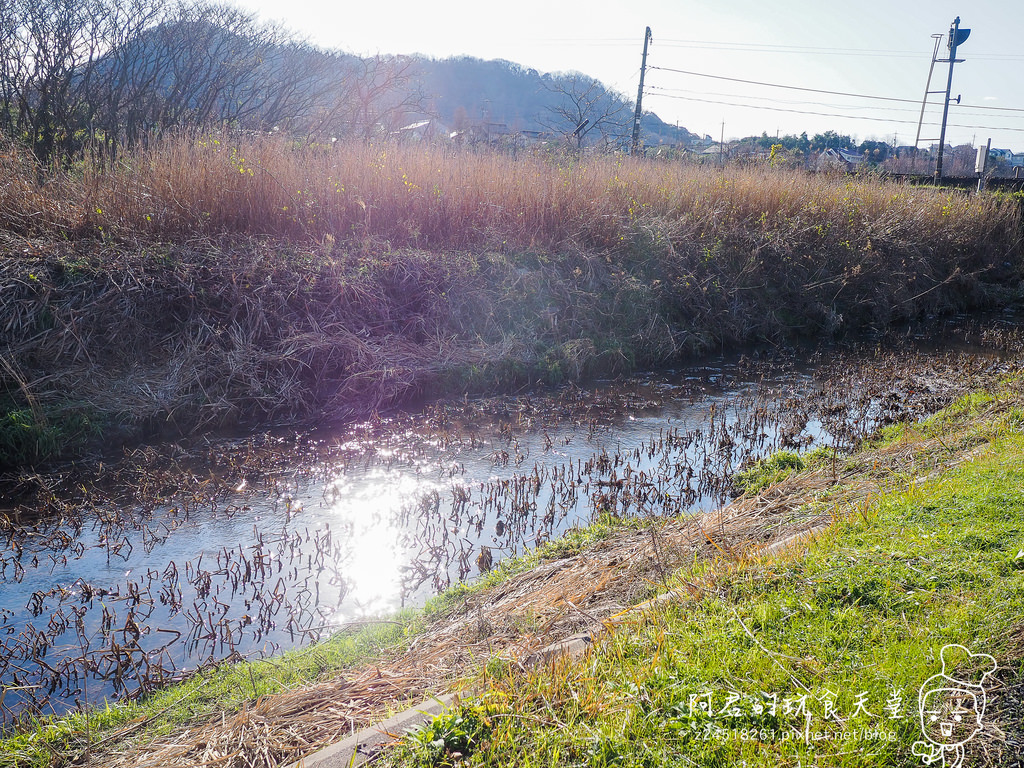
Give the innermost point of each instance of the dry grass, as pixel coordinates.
(432, 197)
(231, 278)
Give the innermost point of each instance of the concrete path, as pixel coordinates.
(363, 746)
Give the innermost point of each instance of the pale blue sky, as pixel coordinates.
(873, 47)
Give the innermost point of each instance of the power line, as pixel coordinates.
(992, 109)
(662, 89)
(818, 90)
(781, 109)
(831, 114)
(714, 45)
(767, 48)
(778, 101)
(770, 48)
(787, 87)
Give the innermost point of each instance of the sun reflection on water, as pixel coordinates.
(367, 513)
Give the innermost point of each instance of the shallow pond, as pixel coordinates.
(119, 577)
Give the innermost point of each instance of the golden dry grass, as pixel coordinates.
(227, 278)
(431, 196)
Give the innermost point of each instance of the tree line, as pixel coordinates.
(113, 73)
(107, 74)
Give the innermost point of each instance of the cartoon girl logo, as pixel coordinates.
(951, 705)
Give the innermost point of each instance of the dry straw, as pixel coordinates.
(221, 278)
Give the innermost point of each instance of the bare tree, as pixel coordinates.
(370, 96)
(584, 106)
(199, 64)
(117, 72)
(128, 74)
(45, 46)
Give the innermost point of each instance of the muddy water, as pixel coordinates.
(120, 577)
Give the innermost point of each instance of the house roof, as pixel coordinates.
(842, 155)
(414, 126)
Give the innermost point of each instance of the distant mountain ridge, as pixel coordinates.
(117, 79)
(466, 88)
(203, 69)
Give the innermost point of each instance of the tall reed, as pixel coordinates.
(223, 277)
(432, 197)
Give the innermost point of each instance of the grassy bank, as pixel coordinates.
(220, 279)
(229, 688)
(817, 659)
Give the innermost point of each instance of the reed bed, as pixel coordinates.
(223, 278)
(430, 197)
(426, 196)
(416, 196)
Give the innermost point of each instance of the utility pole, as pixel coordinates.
(956, 37)
(924, 101)
(981, 164)
(635, 147)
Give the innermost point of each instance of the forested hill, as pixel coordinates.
(463, 89)
(120, 72)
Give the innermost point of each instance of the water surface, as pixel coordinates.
(178, 556)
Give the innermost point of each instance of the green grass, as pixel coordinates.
(28, 436)
(765, 472)
(856, 625)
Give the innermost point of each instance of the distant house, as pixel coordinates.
(498, 135)
(487, 132)
(1007, 156)
(535, 137)
(421, 130)
(838, 160)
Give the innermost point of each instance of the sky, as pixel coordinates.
(879, 49)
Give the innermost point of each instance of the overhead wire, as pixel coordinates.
(763, 48)
(915, 110)
(829, 114)
(814, 50)
(718, 45)
(684, 91)
(670, 93)
(818, 90)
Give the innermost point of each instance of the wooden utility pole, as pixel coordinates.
(635, 146)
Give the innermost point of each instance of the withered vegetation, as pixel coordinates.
(222, 279)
